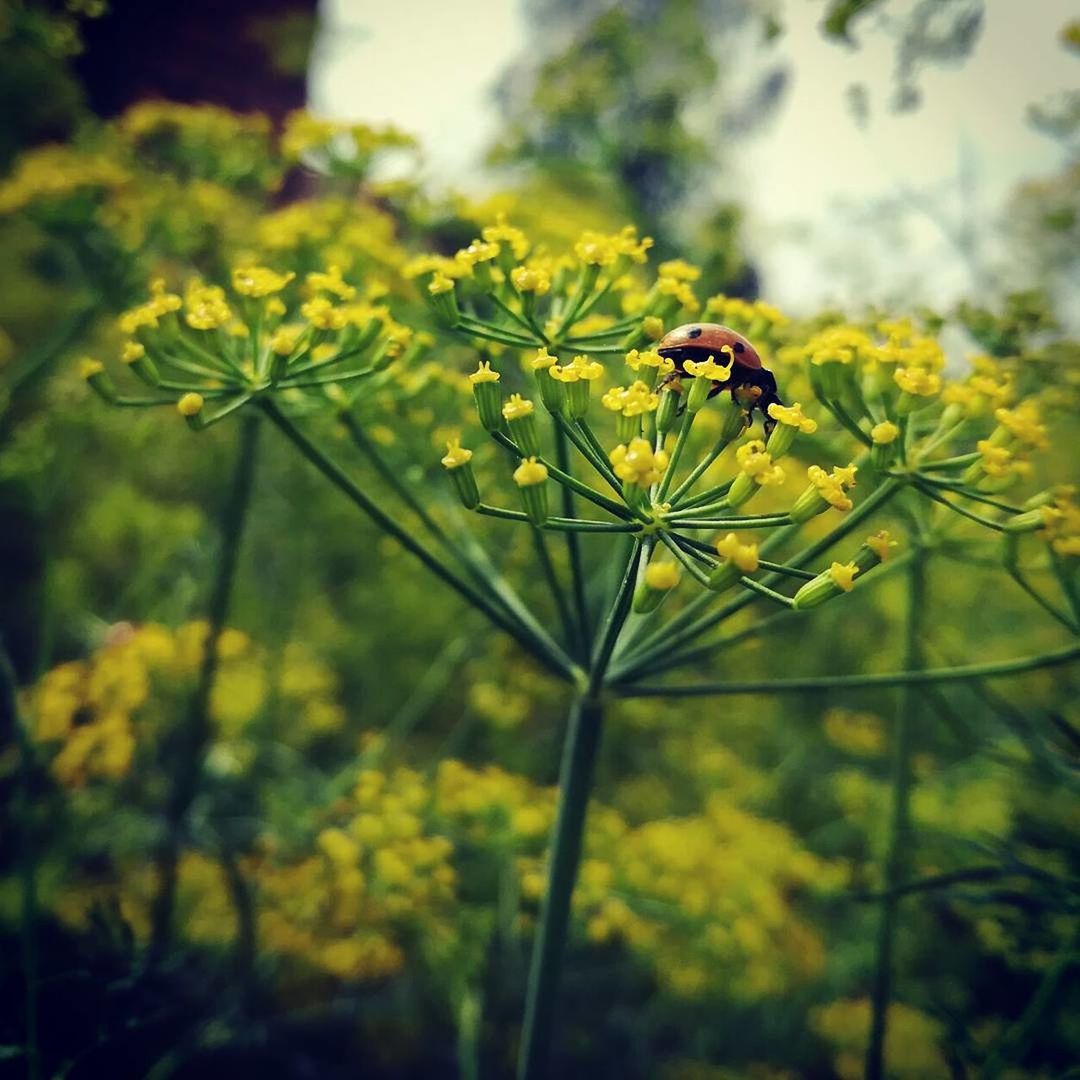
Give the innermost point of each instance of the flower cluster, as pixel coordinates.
(95, 716)
(259, 337)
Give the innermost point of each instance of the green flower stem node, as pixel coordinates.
(808, 505)
(552, 392)
(488, 398)
(724, 576)
(577, 399)
(523, 432)
(534, 498)
(698, 394)
(1028, 521)
(741, 491)
(779, 442)
(814, 593)
(627, 428)
(464, 481)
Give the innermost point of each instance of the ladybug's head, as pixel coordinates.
(699, 341)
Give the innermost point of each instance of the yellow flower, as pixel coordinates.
(792, 415)
(996, 460)
(744, 556)
(831, 487)
(258, 280)
(456, 455)
(478, 251)
(530, 472)
(884, 433)
(190, 404)
(530, 279)
(440, 284)
(206, 306)
(638, 463)
(484, 374)
(501, 231)
(631, 401)
(662, 575)
(1023, 424)
(710, 369)
(284, 339)
(322, 314)
(516, 407)
(131, 352)
(677, 268)
(89, 367)
(652, 327)
(757, 464)
(917, 381)
(543, 360)
(636, 360)
(331, 282)
(881, 544)
(580, 368)
(844, 575)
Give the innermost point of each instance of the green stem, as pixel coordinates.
(545, 651)
(575, 781)
(897, 856)
(931, 493)
(193, 737)
(573, 546)
(676, 454)
(764, 590)
(688, 624)
(762, 521)
(851, 682)
(589, 452)
(564, 476)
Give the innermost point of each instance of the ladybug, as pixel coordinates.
(751, 384)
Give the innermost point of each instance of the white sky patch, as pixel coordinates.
(429, 66)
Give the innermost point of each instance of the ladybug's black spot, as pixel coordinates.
(695, 332)
(740, 347)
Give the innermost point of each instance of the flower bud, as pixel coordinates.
(698, 394)
(458, 463)
(531, 478)
(134, 355)
(93, 371)
(741, 491)
(668, 410)
(488, 396)
(876, 548)
(518, 414)
(660, 577)
(552, 392)
(737, 559)
(839, 578)
(442, 295)
(1028, 521)
(883, 436)
(789, 421)
(733, 419)
(190, 407)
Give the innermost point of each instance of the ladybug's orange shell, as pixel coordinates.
(712, 337)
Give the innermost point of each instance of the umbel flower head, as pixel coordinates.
(216, 348)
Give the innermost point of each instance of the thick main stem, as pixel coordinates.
(195, 733)
(897, 856)
(575, 782)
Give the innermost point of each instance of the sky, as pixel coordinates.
(811, 179)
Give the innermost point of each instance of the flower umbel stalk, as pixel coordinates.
(195, 733)
(575, 781)
(897, 857)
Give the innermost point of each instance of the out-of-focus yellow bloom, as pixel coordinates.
(884, 433)
(259, 281)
